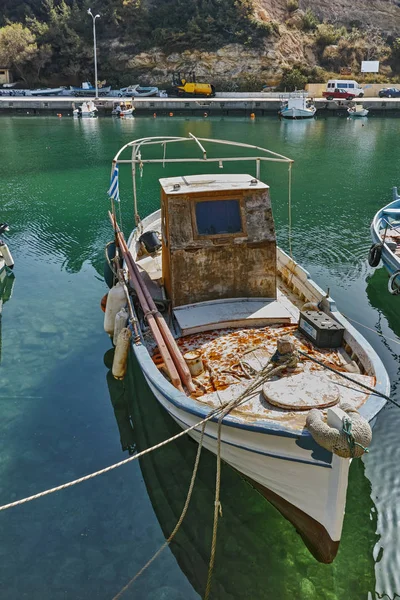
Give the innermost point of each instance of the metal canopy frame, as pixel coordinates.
(136, 146)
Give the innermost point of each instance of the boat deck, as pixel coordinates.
(236, 339)
(233, 357)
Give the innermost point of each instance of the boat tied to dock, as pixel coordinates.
(6, 259)
(228, 327)
(385, 234)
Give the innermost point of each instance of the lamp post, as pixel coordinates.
(94, 17)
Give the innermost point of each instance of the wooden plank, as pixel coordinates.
(234, 312)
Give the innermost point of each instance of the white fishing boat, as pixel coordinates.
(252, 344)
(138, 91)
(47, 91)
(86, 109)
(297, 106)
(6, 259)
(123, 109)
(357, 110)
(88, 89)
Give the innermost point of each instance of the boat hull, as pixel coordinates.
(306, 484)
(47, 92)
(298, 113)
(360, 113)
(390, 261)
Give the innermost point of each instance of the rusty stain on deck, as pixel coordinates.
(232, 357)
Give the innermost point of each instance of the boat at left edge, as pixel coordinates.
(222, 318)
(6, 259)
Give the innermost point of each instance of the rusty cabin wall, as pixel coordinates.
(199, 268)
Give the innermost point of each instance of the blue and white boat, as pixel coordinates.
(47, 91)
(227, 326)
(138, 91)
(385, 234)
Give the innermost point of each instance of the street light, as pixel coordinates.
(94, 46)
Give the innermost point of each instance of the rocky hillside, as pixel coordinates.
(313, 37)
(235, 44)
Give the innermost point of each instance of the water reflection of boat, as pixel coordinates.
(259, 554)
(7, 281)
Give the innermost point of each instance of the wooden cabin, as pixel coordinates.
(218, 238)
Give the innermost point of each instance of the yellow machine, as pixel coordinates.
(185, 84)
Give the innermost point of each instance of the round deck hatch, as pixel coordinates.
(302, 392)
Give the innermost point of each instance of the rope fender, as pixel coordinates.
(351, 442)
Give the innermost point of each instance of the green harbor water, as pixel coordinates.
(60, 408)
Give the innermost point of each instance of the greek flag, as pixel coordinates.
(113, 192)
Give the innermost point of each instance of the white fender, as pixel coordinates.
(116, 299)
(120, 362)
(335, 440)
(121, 320)
(6, 254)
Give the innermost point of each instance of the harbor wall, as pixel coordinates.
(223, 105)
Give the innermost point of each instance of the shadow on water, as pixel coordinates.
(7, 281)
(380, 298)
(259, 554)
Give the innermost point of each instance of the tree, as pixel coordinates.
(20, 51)
(292, 79)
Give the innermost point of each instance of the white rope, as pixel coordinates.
(111, 467)
(385, 337)
(290, 210)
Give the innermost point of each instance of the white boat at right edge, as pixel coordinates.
(231, 298)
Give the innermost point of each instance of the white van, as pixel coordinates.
(348, 84)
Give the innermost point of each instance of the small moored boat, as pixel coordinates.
(122, 109)
(6, 260)
(138, 91)
(357, 110)
(86, 109)
(385, 234)
(228, 328)
(47, 92)
(88, 89)
(297, 106)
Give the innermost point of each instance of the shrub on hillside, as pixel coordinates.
(292, 79)
(327, 35)
(309, 21)
(292, 5)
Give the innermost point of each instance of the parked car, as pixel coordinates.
(340, 93)
(389, 93)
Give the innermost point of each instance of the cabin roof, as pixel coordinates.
(209, 183)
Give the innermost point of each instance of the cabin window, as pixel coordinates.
(218, 217)
(351, 85)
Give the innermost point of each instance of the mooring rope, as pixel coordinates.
(178, 524)
(114, 466)
(386, 337)
(266, 373)
(358, 383)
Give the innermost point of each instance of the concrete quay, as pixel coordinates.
(229, 104)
